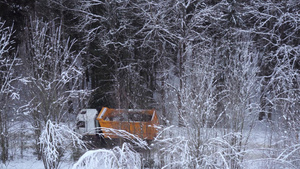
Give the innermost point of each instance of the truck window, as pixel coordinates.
(80, 124)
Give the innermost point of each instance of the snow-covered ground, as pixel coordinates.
(258, 151)
(31, 163)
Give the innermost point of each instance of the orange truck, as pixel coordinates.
(117, 123)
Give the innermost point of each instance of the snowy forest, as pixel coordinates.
(223, 76)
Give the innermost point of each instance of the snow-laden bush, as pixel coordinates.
(118, 157)
(54, 139)
(177, 147)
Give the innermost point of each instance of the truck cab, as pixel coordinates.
(86, 123)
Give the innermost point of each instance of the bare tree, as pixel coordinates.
(8, 90)
(54, 76)
(110, 29)
(213, 66)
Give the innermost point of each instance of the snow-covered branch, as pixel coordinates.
(118, 157)
(54, 139)
(125, 135)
